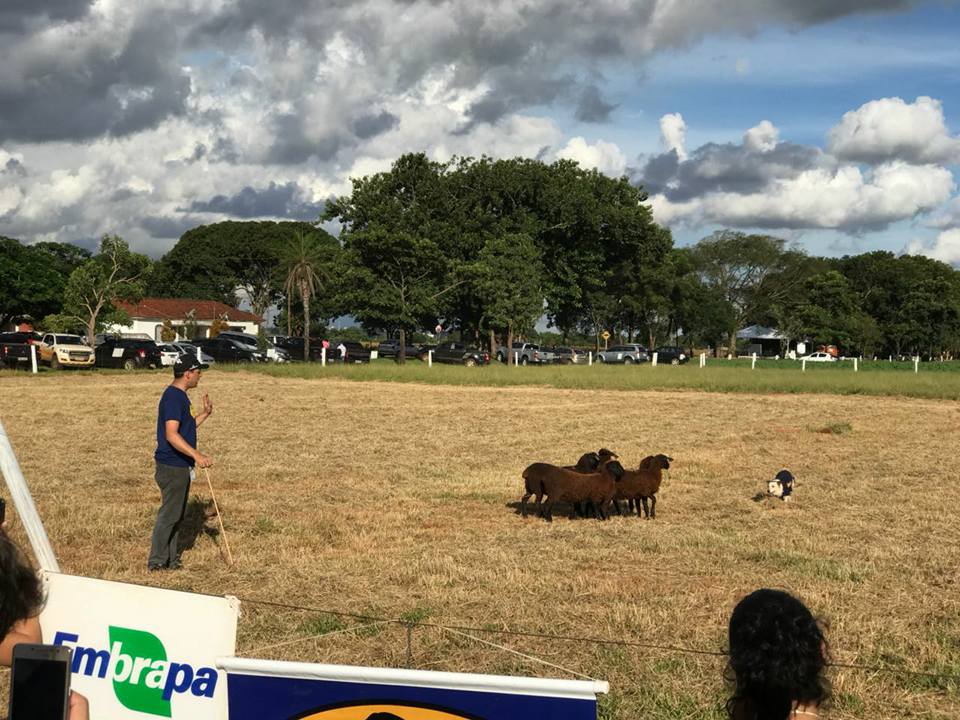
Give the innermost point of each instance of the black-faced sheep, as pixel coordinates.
(636, 486)
(560, 484)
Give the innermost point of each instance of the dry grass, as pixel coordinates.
(386, 499)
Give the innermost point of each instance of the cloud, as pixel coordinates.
(169, 227)
(19, 14)
(945, 248)
(673, 134)
(592, 107)
(947, 217)
(368, 126)
(842, 198)
(603, 156)
(889, 129)
(730, 168)
(274, 201)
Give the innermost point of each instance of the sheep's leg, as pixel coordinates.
(616, 506)
(632, 505)
(523, 503)
(646, 510)
(653, 507)
(548, 510)
(540, 503)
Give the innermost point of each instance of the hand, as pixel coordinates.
(79, 708)
(207, 404)
(203, 461)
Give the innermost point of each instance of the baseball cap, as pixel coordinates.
(186, 362)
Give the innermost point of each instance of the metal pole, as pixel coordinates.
(430, 358)
(33, 357)
(703, 359)
(855, 369)
(23, 501)
(753, 363)
(803, 367)
(655, 359)
(589, 357)
(323, 357)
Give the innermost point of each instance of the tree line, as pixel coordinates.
(487, 248)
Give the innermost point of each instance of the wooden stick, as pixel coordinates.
(226, 543)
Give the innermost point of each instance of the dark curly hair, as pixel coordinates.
(21, 595)
(777, 657)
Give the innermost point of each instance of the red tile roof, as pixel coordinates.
(177, 309)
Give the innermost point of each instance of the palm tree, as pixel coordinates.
(303, 257)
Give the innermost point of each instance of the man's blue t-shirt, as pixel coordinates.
(175, 405)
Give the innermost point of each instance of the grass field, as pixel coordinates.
(397, 500)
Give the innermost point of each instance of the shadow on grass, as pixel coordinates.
(195, 522)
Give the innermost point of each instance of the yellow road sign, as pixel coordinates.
(605, 335)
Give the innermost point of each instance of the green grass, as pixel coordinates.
(935, 380)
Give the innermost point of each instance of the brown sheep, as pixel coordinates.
(572, 487)
(588, 463)
(637, 485)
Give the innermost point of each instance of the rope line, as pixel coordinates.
(517, 652)
(463, 629)
(312, 637)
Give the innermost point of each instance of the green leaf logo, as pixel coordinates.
(138, 664)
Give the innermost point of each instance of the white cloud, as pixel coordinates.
(840, 198)
(603, 156)
(762, 137)
(673, 134)
(890, 128)
(946, 247)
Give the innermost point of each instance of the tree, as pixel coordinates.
(507, 279)
(113, 274)
(396, 272)
(223, 260)
(750, 272)
(33, 277)
(828, 312)
(303, 262)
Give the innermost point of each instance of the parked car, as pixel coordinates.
(185, 347)
(568, 355)
(224, 349)
(168, 354)
(526, 353)
(819, 357)
(127, 353)
(356, 353)
(294, 346)
(274, 353)
(457, 353)
(61, 350)
(391, 348)
(626, 354)
(671, 354)
(15, 348)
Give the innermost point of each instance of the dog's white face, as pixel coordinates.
(774, 488)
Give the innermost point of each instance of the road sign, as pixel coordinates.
(605, 335)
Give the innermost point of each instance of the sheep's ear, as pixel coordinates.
(616, 469)
(665, 461)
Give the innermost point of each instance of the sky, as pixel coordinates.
(834, 124)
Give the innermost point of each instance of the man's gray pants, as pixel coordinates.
(174, 484)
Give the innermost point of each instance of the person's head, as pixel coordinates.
(777, 657)
(21, 595)
(186, 370)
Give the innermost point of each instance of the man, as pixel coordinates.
(175, 458)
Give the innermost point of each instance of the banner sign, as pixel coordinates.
(142, 652)
(270, 690)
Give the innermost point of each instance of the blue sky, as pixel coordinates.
(833, 124)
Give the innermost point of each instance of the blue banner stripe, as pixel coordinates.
(254, 697)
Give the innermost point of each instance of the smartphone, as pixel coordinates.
(40, 682)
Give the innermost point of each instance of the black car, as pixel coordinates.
(224, 349)
(354, 352)
(15, 348)
(672, 354)
(457, 353)
(391, 348)
(127, 353)
(294, 345)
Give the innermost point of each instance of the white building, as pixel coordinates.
(147, 317)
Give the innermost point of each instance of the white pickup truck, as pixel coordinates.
(526, 353)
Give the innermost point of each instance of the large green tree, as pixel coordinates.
(305, 264)
(507, 280)
(115, 273)
(397, 273)
(226, 259)
(33, 277)
(751, 273)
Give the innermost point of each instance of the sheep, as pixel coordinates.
(637, 485)
(569, 486)
(588, 463)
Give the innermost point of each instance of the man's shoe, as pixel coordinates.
(175, 565)
(156, 568)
